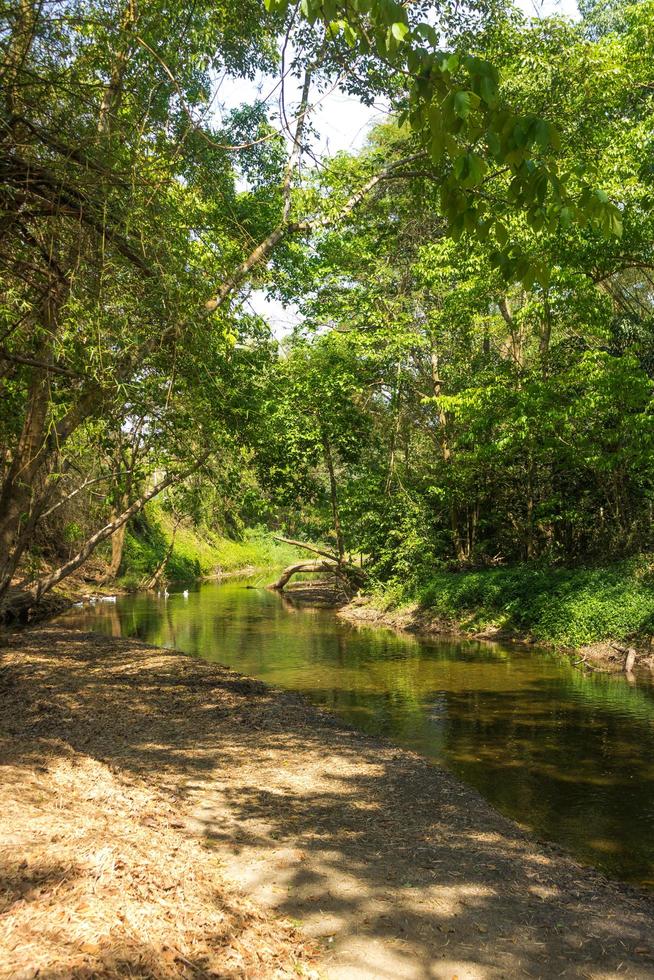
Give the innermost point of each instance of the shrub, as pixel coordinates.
(566, 607)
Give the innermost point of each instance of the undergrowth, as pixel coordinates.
(195, 553)
(561, 606)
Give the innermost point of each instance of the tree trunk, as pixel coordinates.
(515, 333)
(396, 429)
(20, 485)
(18, 51)
(41, 586)
(445, 451)
(157, 575)
(113, 93)
(333, 492)
(303, 566)
(117, 548)
(545, 337)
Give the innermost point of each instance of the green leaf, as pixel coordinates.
(544, 134)
(565, 217)
(457, 227)
(343, 27)
(501, 234)
(615, 222)
(399, 31)
(427, 32)
(479, 66)
(493, 143)
(488, 90)
(470, 169)
(464, 103)
(437, 136)
(520, 134)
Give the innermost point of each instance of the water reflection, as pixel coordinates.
(569, 755)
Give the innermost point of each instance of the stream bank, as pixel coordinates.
(605, 655)
(291, 842)
(155, 545)
(594, 614)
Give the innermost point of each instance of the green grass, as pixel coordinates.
(564, 607)
(194, 554)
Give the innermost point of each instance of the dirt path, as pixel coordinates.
(395, 868)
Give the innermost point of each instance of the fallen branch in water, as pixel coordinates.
(348, 574)
(303, 566)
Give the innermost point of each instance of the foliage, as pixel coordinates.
(496, 423)
(472, 381)
(465, 122)
(115, 207)
(561, 606)
(195, 553)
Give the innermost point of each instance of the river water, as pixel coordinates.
(569, 755)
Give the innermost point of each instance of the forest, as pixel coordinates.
(469, 381)
(468, 384)
(361, 288)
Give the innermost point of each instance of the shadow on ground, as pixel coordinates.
(392, 864)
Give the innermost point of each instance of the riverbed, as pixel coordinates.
(568, 755)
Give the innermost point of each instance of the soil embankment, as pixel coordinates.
(163, 816)
(604, 655)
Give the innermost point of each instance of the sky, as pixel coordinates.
(343, 124)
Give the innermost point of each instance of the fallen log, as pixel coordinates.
(302, 566)
(349, 574)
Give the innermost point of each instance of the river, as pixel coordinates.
(567, 754)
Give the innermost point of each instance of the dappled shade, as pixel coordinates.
(384, 857)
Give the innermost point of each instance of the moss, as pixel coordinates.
(195, 553)
(561, 606)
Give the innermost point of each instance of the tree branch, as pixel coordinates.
(294, 158)
(307, 547)
(43, 585)
(31, 179)
(264, 248)
(33, 362)
(73, 493)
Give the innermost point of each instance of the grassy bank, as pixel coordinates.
(195, 553)
(559, 606)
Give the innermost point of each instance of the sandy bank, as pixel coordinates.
(163, 816)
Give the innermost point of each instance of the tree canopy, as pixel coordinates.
(472, 377)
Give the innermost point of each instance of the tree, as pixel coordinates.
(509, 421)
(111, 223)
(125, 206)
(309, 426)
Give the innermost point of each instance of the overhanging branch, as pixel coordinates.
(284, 230)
